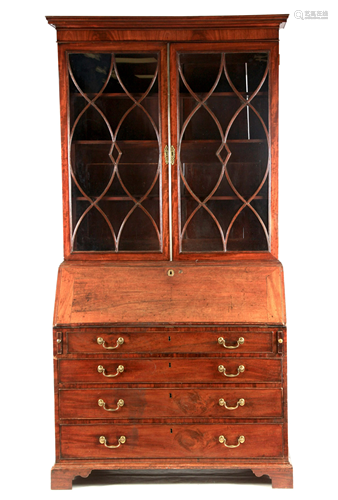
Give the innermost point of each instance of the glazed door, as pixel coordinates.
(222, 181)
(117, 130)
(122, 200)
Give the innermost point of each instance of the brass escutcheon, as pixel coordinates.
(166, 155)
(171, 272)
(172, 155)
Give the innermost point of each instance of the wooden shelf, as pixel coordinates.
(209, 245)
(155, 95)
(221, 94)
(127, 198)
(115, 94)
(217, 141)
(108, 141)
(244, 162)
(184, 142)
(221, 198)
(226, 198)
(117, 198)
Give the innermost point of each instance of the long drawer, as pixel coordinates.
(170, 370)
(171, 441)
(125, 403)
(198, 340)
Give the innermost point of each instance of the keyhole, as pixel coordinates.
(171, 431)
(169, 394)
(169, 339)
(171, 272)
(169, 365)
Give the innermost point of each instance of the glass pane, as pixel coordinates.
(115, 152)
(223, 152)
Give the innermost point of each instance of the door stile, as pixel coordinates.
(273, 116)
(165, 120)
(176, 229)
(169, 160)
(64, 119)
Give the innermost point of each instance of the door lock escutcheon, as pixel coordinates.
(172, 155)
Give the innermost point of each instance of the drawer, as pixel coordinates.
(170, 370)
(171, 441)
(172, 341)
(169, 403)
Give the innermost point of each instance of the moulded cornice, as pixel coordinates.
(167, 22)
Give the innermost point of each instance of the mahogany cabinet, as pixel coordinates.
(169, 325)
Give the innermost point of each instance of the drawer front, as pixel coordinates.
(170, 370)
(156, 342)
(171, 441)
(124, 403)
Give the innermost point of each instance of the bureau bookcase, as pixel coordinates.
(169, 326)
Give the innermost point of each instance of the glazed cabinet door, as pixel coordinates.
(224, 113)
(113, 102)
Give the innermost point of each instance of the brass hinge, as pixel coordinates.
(172, 155)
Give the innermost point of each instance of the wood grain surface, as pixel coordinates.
(176, 441)
(152, 370)
(170, 340)
(170, 403)
(197, 293)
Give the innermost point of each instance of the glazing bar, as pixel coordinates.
(247, 97)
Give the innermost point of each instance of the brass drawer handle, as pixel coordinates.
(102, 342)
(240, 369)
(240, 402)
(223, 440)
(240, 341)
(121, 440)
(120, 403)
(102, 370)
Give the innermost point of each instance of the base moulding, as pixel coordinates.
(280, 473)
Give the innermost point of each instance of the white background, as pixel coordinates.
(31, 235)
